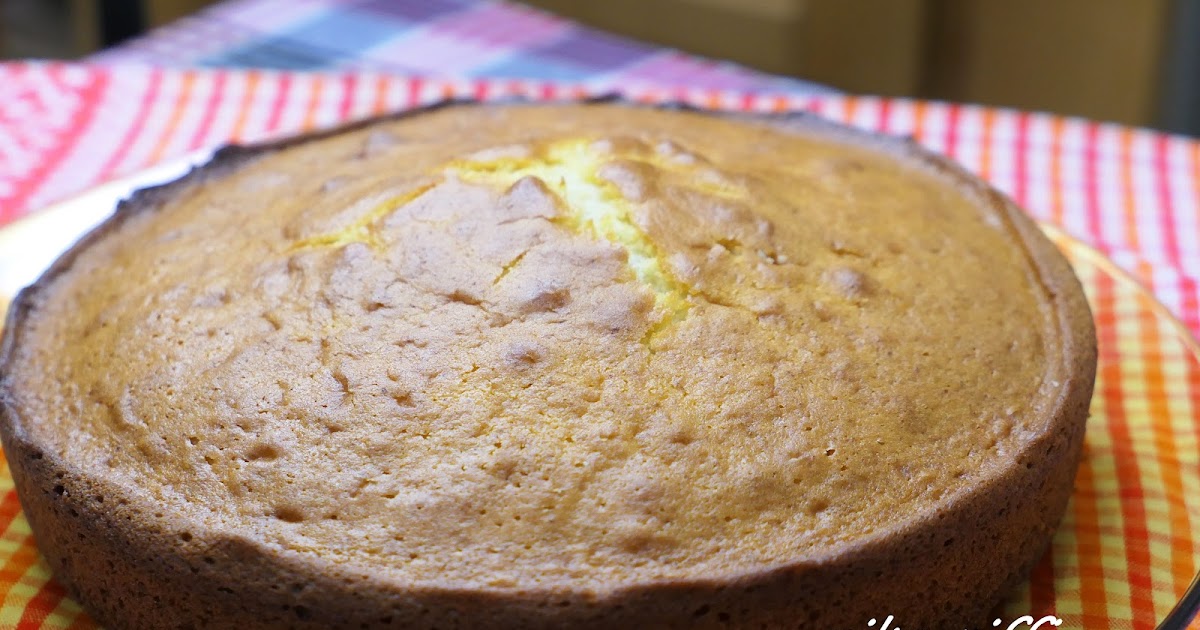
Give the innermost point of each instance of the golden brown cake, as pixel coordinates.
(552, 366)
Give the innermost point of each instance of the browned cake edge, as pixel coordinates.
(947, 568)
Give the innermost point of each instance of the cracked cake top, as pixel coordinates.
(494, 348)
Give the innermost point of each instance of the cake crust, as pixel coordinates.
(932, 569)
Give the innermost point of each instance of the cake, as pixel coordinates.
(574, 365)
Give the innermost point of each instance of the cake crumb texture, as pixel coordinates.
(571, 351)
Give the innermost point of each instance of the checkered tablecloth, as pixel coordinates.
(436, 38)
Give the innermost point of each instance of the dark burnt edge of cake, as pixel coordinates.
(722, 599)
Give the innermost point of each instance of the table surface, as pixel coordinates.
(1132, 194)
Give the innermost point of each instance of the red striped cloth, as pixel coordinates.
(1129, 544)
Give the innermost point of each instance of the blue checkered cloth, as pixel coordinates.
(442, 38)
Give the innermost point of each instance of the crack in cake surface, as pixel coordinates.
(593, 205)
(365, 228)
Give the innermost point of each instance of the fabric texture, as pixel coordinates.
(442, 38)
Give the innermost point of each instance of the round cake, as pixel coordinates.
(519, 366)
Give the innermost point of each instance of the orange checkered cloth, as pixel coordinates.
(1129, 199)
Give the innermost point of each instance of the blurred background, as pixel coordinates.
(1130, 61)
